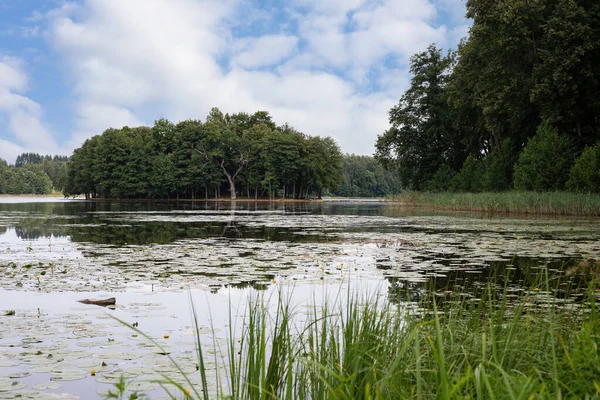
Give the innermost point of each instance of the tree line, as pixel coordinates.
(364, 176)
(516, 106)
(235, 154)
(33, 174)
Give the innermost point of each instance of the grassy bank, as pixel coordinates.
(532, 347)
(551, 203)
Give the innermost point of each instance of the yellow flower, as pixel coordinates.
(93, 372)
(537, 289)
(37, 277)
(166, 336)
(342, 264)
(320, 266)
(187, 391)
(273, 280)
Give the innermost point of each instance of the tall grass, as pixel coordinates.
(366, 347)
(553, 203)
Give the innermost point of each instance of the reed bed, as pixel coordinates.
(368, 347)
(544, 203)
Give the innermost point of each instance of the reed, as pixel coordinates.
(550, 203)
(363, 347)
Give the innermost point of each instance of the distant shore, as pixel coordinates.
(210, 199)
(40, 196)
(512, 202)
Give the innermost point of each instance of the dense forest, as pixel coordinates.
(33, 174)
(516, 106)
(226, 154)
(364, 176)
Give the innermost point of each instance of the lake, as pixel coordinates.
(156, 257)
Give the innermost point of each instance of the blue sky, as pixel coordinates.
(71, 69)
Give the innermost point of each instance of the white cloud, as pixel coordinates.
(23, 116)
(135, 61)
(264, 51)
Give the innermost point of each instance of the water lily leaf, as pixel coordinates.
(67, 375)
(47, 385)
(10, 385)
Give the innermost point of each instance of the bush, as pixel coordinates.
(440, 181)
(469, 178)
(585, 173)
(498, 168)
(544, 163)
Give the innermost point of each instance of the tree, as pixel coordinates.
(420, 139)
(545, 162)
(585, 173)
(492, 80)
(567, 80)
(191, 156)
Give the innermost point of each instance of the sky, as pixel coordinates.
(71, 69)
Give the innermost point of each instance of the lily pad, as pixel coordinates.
(68, 375)
(47, 385)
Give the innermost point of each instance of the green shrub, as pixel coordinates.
(498, 168)
(469, 178)
(544, 163)
(440, 181)
(585, 173)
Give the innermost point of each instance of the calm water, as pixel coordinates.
(153, 256)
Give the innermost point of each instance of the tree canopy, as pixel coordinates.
(240, 154)
(363, 176)
(525, 64)
(33, 174)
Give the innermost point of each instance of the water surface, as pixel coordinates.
(152, 255)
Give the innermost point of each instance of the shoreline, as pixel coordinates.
(513, 202)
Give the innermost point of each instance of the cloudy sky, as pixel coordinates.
(71, 69)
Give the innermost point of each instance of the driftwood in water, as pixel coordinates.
(100, 302)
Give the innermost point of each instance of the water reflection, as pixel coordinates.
(566, 278)
(411, 249)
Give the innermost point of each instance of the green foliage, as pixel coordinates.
(499, 168)
(33, 174)
(520, 202)
(523, 62)
(420, 139)
(470, 176)
(545, 161)
(120, 392)
(234, 153)
(28, 179)
(585, 173)
(445, 347)
(364, 176)
(441, 179)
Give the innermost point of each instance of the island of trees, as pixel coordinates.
(234, 154)
(516, 107)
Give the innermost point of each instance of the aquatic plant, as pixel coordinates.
(445, 346)
(522, 202)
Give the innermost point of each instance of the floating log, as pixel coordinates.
(100, 302)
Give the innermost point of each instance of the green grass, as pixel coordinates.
(551, 203)
(364, 347)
